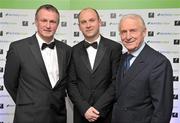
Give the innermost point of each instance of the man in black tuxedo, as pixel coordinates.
(144, 91)
(91, 71)
(36, 72)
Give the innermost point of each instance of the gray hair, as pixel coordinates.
(133, 16)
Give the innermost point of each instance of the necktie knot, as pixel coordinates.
(127, 61)
(94, 45)
(45, 45)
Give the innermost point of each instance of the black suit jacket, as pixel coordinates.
(89, 87)
(145, 93)
(27, 82)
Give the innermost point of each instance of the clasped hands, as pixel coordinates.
(92, 114)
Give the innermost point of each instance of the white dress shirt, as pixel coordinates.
(92, 52)
(50, 61)
(136, 53)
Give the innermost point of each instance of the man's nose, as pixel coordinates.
(48, 24)
(128, 35)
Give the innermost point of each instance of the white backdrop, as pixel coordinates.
(163, 35)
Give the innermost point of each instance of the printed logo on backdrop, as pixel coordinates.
(175, 114)
(168, 14)
(63, 24)
(75, 42)
(64, 40)
(177, 23)
(113, 34)
(76, 34)
(16, 15)
(176, 41)
(113, 23)
(151, 15)
(6, 95)
(157, 42)
(1, 69)
(120, 15)
(158, 23)
(164, 14)
(16, 33)
(1, 51)
(1, 88)
(75, 23)
(1, 33)
(8, 23)
(33, 23)
(168, 33)
(175, 96)
(10, 105)
(113, 15)
(169, 52)
(1, 105)
(24, 23)
(103, 23)
(5, 41)
(175, 60)
(150, 33)
(1, 14)
(75, 16)
(7, 106)
(175, 78)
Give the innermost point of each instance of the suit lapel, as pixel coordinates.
(99, 55)
(84, 57)
(119, 75)
(133, 71)
(138, 65)
(60, 56)
(34, 46)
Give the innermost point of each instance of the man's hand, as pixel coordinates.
(91, 114)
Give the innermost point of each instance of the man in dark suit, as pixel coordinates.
(91, 71)
(36, 72)
(144, 91)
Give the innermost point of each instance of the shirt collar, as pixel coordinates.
(137, 52)
(41, 41)
(97, 40)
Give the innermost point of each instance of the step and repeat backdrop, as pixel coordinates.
(163, 23)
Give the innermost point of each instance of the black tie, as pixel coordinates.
(127, 62)
(51, 45)
(94, 45)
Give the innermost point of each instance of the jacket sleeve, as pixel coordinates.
(12, 69)
(73, 91)
(105, 102)
(161, 88)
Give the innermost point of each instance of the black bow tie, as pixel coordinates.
(94, 45)
(51, 45)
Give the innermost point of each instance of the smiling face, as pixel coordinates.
(132, 32)
(46, 22)
(89, 24)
